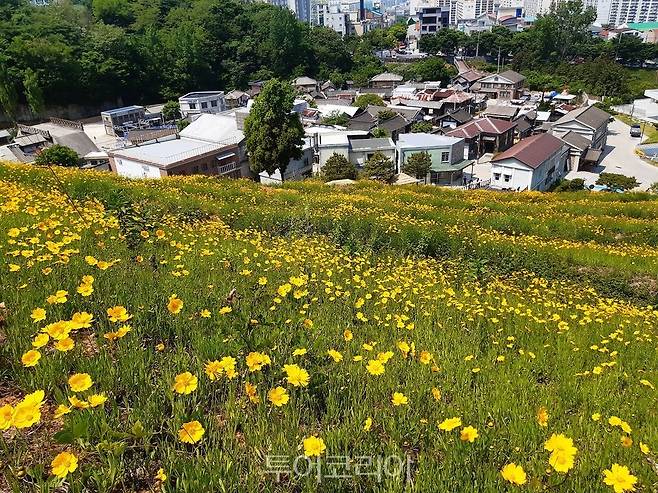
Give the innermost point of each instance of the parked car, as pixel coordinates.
(636, 130)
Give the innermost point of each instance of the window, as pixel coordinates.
(213, 103)
(496, 176)
(192, 106)
(445, 157)
(507, 178)
(195, 169)
(204, 105)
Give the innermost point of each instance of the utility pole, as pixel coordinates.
(498, 70)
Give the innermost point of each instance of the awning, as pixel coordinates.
(447, 167)
(592, 155)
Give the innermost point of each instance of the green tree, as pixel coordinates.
(338, 167)
(564, 27)
(421, 127)
(117, 12)
(33, 92)
(379, 167)
(418, 165)
(385, 114)
(616, 181)
(274, 134)
(8, 93)
(59, 155)
(379, 133)
(366, 99)
(171, 111)
(336, 118)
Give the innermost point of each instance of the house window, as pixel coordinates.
(445, 157)
(213, 103)
(496, 176)
(507, 178)
(204, 105)
(192, 106)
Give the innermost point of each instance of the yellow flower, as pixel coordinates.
(347, 335)
(626, 441)
(40, 340)
(425, 357)
(61, 411)
(620, 478)
(250, 390)
(644, 448)
(191, 432)
(558, 442)
(185, 383)
(614, 421)
(31, 358)
(225, 309)
(6, 416)
(58, 330)
(78, 403)
(296, 376)
(175, 304)
(118, 314)
(375, 367)
(450, 424)
(278, 396)
(399, 399)
(596, 416)
(514, 474)
(161, 476)
(337, 357)
(299, 352)
(59, 297)
(256, 361)
(436, 393)
(85, 290)
(314, 446)
(468, 434)
(26, 414)
(160, 347)
(205, 313)
(96, 400)
(65, 344)
(404, 348)
(542, 417)
(80, 382)
(367, 424)
(625, 427)
(562, 460)
(38, 314)
(63, 463)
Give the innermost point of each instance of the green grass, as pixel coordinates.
(455, 274)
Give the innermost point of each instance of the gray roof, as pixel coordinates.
(167, 154)
(513, 76)
(371, 144)
(576, 140)
(69, 137)
(500, 110)
(588, 115)
(304, 81)
(425, 141)
(407, 113)
(30, 139)
(387, 77)
(414, 103)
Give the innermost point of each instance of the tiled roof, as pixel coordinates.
(532, 151)
(482, 125)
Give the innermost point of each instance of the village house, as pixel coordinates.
(386, 80)
(485, 135)
(198, 102)
(447, 154)
(534, 163)
(235, 99)
(353, 145)
(465, 80)
(306, 85)
(588, 121)
(119, 120)
(502, 112)
(506, 85)
(454, 119)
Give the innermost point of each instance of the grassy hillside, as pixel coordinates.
(440, 335)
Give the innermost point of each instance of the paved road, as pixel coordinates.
(619, 157)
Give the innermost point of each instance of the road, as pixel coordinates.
(619, 157)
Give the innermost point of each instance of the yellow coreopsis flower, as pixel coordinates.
(175, 304)
(161, 476)
(314, 446)
(79, 382)
(96, 400)
(450, 424)
(6, 416)
(278, 396)
(63, 463)
(38, 314)
(367, 424)
(185, 383)
(620, 478)
(335, 355)
(542, 417)
(118, 314)
(468, 434)
(191, 432)
(250, 390)
(347, 335)
(78, 403)
(399, 399)
(436, 393)
(375, 367)
(61, 411)
(514, 474)
(299, 352)
(31, 358)
(65, 344)
(40, 340)
(256, 361)
(296, 376)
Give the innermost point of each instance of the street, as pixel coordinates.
(619, 157)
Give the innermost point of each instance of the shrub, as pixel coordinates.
(615, 181)
(569, 185)
(338, 167)
(59, 155)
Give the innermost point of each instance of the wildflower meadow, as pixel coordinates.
(200, 335)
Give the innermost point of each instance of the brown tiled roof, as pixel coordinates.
(588, 115)
(482, 125)
(532, 151)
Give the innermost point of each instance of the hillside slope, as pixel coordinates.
(212, 328)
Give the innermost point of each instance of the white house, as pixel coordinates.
(447, 154)
(588, 121)
(195, 103)
(534, 163)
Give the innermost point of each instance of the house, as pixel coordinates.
(580, 150)
(431, 110)
(369, 122)
(432, 19)
(117, 121)
(297, 169)
(447, 154)
(485, 135)
(5, 137)
(386, 80)
(362, 149)
(506, 85)
(354, 146)
(588, 121)
(195, 103)
(235, 99)
(63, 132)
(409, 114)
(465, 80)
(534, 163)
(502, 112)
(211, 145)
(306, 85)
(524, 126)
(454, 119)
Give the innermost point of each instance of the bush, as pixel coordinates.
(569, 185)
(59, 155)
(615, 181)
(338, 167)
(379, 167)
(365, 99)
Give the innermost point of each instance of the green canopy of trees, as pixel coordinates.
(59, 155)
(418, 165)
(338, 167)
(379, 167)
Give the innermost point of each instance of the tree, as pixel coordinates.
(336, 118)
(432, 68)
(570, 185)
(274, 134)
(366, 99)
(379, 167)
(421, 127)
(33, 92)
(171, 111)
(379, 133)
(338, 167)
(59, 155)
(615, 181)
(418, 165)
(385, 114)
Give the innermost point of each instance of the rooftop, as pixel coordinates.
(423, 140)
(168, 153)
(216, 129)
(200, 94)
(371, 144)
(387, 77)
(588, 115)
(532, 151)
(124, 109)
(482, 125)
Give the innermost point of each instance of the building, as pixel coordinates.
(465, 80)
(363, 149)
(63, 132)
(618, 12)
(301, 8)
(431, 19)
(588, 121)
(506, 85)
(353, 145)
(472, 9)
(534, 163)
(337, 21)
(195, 103)
(306, 85)
(447, 154)
(394, 126)
(297, 169)
(502, 112)
(646, 31)
(116, 121)
(235, 99)
(485, 135)
(386, 80)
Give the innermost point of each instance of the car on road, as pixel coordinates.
(636, 130)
